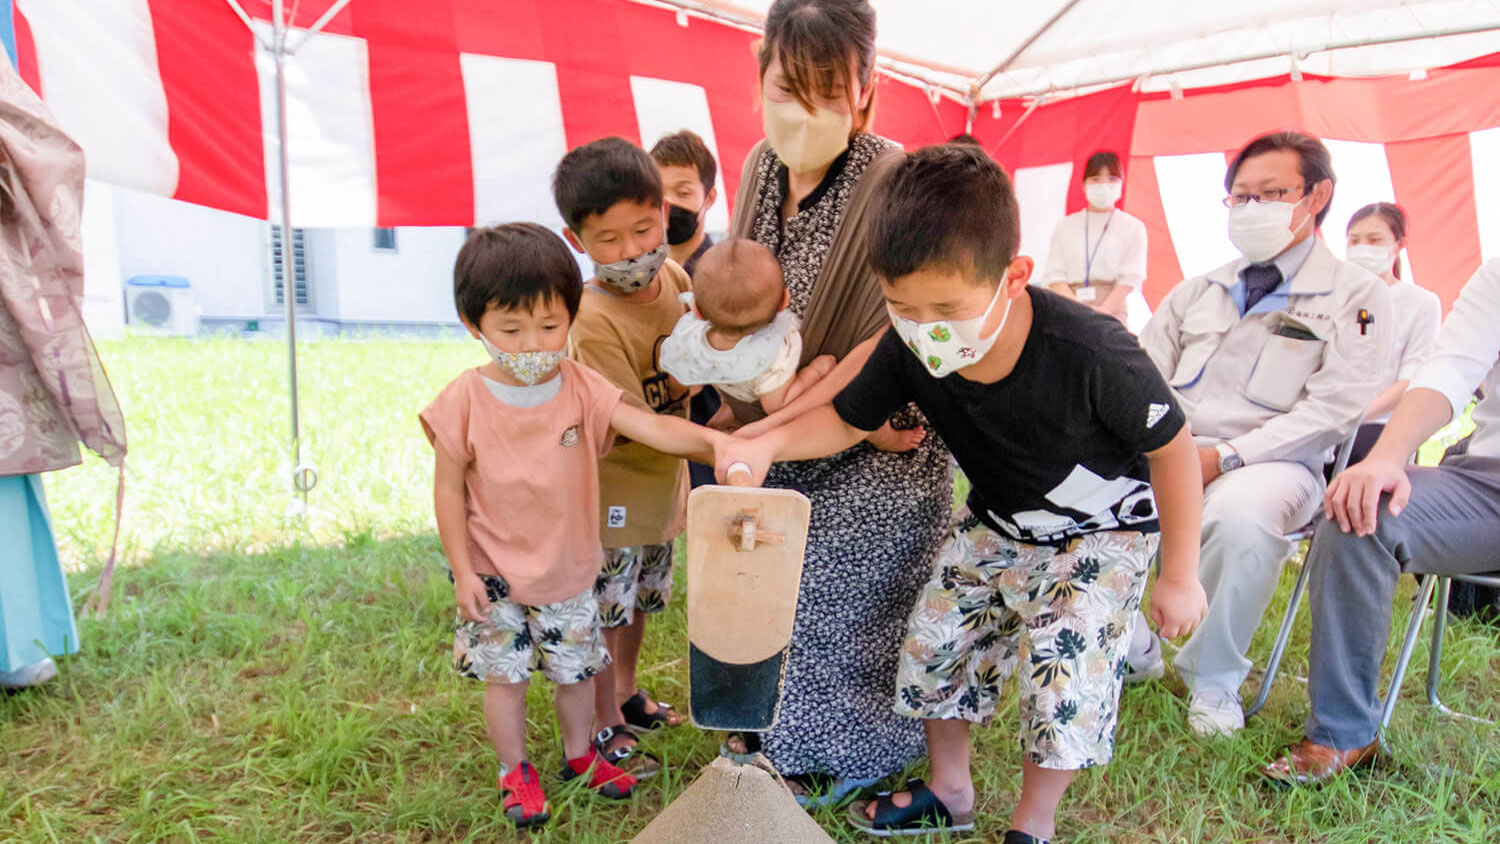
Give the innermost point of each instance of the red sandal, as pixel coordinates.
(605, 778)
(522, 797)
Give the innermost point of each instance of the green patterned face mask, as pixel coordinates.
(947, 346)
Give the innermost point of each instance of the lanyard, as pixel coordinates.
(1088, 257)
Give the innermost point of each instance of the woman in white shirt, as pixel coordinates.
(1098, 255)
(1377, 234)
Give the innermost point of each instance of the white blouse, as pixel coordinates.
(1465, 356)
(1116, 249)
(1417, 314)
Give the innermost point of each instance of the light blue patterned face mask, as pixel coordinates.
(527, 367)
(632, 274)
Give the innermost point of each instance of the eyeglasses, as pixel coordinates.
(1234, 200)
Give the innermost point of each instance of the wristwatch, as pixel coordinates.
(1229, 459)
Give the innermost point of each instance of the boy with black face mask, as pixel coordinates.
(688, 172)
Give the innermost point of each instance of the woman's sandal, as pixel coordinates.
(604, 778)
(522, 799)
(626, 755)
(636, 715)
(925, 815)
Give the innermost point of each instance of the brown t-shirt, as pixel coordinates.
(529, 479)
(642, 492)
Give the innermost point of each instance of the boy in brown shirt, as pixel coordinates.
(609, 193)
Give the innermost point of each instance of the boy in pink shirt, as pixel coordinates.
(516, 493)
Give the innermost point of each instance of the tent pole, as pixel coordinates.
(1266, 54)
(304, 478)
(1016, 53)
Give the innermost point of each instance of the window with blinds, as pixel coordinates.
(279, 257)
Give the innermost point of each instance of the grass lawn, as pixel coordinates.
(258, 681)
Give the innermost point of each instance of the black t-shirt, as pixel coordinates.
(1057, 448)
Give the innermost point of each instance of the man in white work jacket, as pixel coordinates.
(1274, 358)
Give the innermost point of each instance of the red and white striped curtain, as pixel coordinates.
(452, 112)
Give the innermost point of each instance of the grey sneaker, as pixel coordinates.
(1146, 666)
(27, 676)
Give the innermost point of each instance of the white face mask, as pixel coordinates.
(527, 367)
(946, 346)
(1262, 230)
(1103, 195)
(805, 142)
(1372, 256)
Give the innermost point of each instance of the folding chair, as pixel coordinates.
(1289, 618)
(1439, 599)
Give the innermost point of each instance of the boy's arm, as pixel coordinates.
(818, 433)
(1178, 602)
(451, 510)
(821, 393)
(667, 434)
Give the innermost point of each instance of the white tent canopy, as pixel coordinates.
(985, 49)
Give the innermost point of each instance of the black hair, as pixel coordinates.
(965, 138)
(515, 265)
(1394, 217)
(945, 206)
(592, 178)
(1316, 162)
(686, 149)
(816, 40)
(1103, 160)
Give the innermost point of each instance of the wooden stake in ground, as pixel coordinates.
(734, 804)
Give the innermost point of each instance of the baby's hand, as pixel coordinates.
(887, 438)
(473, 601)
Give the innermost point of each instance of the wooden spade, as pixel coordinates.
(744, 567)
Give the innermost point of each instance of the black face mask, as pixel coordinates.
(682, 224)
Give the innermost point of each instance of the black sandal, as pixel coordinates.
(925, 815)
(636, 715)
(632, 760)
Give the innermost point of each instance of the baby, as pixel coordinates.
(739, 336)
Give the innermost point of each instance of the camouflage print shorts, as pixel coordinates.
(563, 640)
(634, 579)
(1060, 615)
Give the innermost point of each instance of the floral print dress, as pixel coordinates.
(878, 519)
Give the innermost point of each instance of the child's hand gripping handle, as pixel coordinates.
(739, 474)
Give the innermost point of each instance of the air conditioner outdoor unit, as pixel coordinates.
(161, 304)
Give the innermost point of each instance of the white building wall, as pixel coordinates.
(412, 284)
(222, 255)
(103, 290)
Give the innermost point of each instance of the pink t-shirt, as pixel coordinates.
(531, 479)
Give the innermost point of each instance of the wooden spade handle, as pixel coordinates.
(746, 533)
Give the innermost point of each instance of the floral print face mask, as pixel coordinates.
(527, 367)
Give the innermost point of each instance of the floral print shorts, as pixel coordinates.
(1058, 617)
(563, 640)
(634, 579)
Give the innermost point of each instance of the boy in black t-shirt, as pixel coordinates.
(1061, 424)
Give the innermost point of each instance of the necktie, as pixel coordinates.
(1260, 279)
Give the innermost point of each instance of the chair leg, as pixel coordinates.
(1283, 636)
(1408, 644)
(1435, 653)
